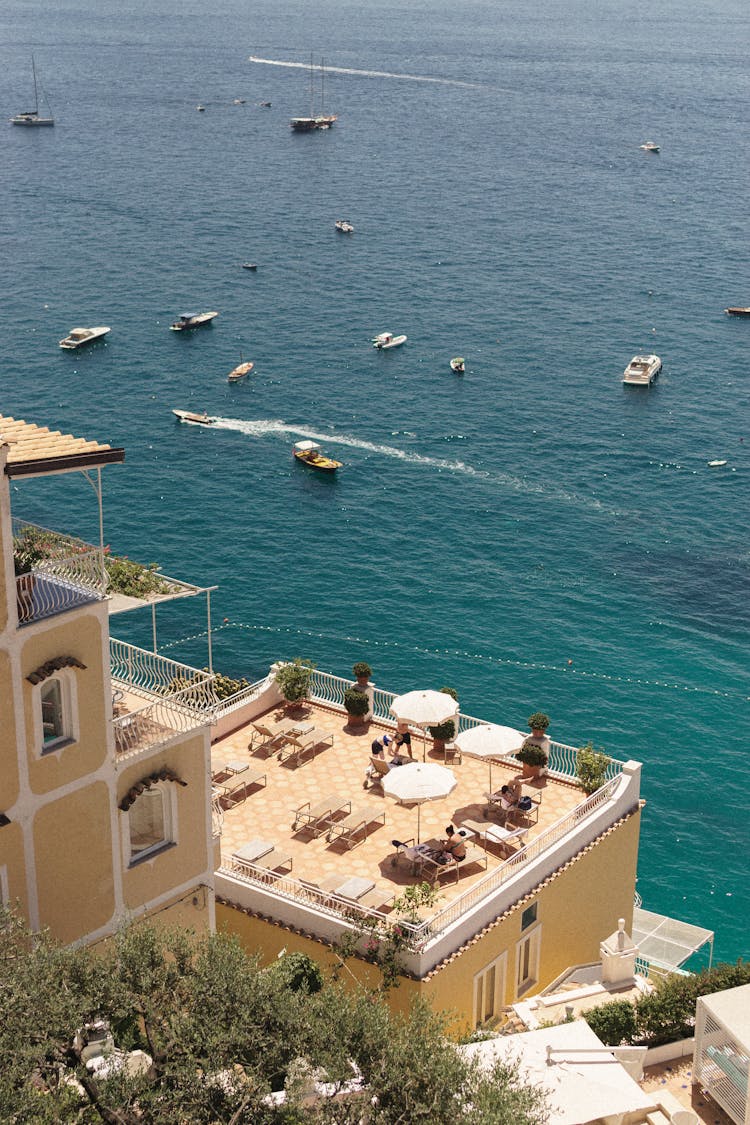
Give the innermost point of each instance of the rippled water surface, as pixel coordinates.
(533, 534)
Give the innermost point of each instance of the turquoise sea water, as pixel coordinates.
(532, 534)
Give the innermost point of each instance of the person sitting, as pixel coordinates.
(402, 739)
(453, 847)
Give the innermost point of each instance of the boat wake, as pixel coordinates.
(366, 73)
(261, 427)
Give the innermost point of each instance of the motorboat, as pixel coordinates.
(309, 453)
(642, 370)
(387, 340)
(650, 146)
(31, 117)
(193, 419)
(239, 372)
(344, 226)
(457, 364)
(201, 108)
(737, 310)
(239, 101)
(77, 337)
(264, 105)
(249, 265)
(192, 320)
(715, 464)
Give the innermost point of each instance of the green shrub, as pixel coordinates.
(538, 721)
(444, 732)
(614, 1023)
(362, 668)
(294, 679)
(356, 702)
(531, 755)
(591, 767)
(298, 973)
(133, 578)
(225, 686)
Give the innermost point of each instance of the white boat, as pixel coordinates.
(642, 370)
(650, 146)
(344, 226)
(193, 419)
(77, 337)
(31, 116)
(239, 372)
(192, 320)
(315, 120)
(387, 340)
(715, 464)
(458, 364)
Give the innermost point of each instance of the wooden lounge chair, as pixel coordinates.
(275, 859)
(317, 817)
(259, 855)
(355, 826)
(296, 747)
(235, 789)
(377, 899)
(379, 769)
(268, 736)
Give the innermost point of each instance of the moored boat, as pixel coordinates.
(457, 364)
(642, 370)
(309, 453)
(650, 146)
(249, 265)
(31, 116)
(192, 320)
(314, 121)
(737, 310)
(387, 340)
(79, 336)
(239, 372)
(194, 419)
(344, 226)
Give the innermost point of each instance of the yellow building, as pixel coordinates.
(105, 808)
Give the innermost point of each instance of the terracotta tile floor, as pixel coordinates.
(268, 811)
(675, 1077)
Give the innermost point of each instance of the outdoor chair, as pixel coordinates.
(318, 818)
(527, 813)
(434, 871)
(268, 736)
(379, 769)
(378, 899)
(295, 747)
(353, 829)
(235, 789)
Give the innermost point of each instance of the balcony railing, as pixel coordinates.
(562, 758)
(66, 572)
(153, 725)
(145, 672)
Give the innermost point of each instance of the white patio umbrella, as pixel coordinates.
(424, 709)
(417, 782)
(489, 742)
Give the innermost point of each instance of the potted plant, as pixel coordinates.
(591, 768)
(362, 671)
(446, 731)
(533, 759)
(293, 679)
(357, 705)
(538, 723)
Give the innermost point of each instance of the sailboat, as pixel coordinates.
(31, 116)
(319, 120)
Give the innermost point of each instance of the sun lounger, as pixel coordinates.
(235, 788)
(259, 854)
(268, 736)
(296, 747)
(317, 817)
(376, 899)
(354, 827)
(378, 770)
(434, 871)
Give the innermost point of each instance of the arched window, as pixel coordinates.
(150, 821)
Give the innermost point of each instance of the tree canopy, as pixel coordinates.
(222, 1034)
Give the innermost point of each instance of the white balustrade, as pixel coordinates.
(158, 675)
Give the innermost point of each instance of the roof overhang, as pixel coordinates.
(667, 941)
(35, 451)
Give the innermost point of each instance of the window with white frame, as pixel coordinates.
(489, 991)
(527, 961)
(56, 708)
(151, 821)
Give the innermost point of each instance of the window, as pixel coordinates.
(528, 918)
(527, 954)
(150, 822)
(56, 711)
(489, 991)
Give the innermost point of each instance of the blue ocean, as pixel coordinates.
(533, 533)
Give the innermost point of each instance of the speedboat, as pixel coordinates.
(642, 370)
(79, 336)
(194, 419)
(387, 340)
(192, 320)
(715, 464)
(344, 226)
(239, 372)
(650, 146)
(457, 364)
(309, 453)
(249, 265)
(737, 310)
(201, 108)
(264, 105)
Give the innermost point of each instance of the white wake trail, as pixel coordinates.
(365, 73)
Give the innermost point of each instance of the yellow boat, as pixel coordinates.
(309, 453)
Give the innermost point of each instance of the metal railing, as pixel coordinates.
(234, 702)
(56, 586)
(329, 689)
(416, 934)
(153, 725)
(158, 675)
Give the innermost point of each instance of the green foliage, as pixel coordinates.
(444, 732)
(538, 721)
(362, 668)
(614, 1023)
(223, 1033)
(134, 579)
(225, 686)
(356, 702)
(33, 545)
(591, 767)
(451, 692)
(294, 679)
(531, 755)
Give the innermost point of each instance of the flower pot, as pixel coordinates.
(362, 682)
(357, 720)
(531, 771)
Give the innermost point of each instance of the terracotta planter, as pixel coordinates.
(531, 771)
(356, 720)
